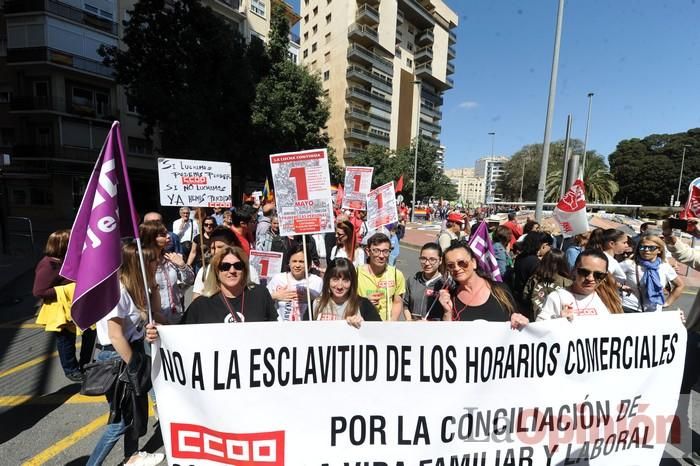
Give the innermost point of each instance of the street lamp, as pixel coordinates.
(680, 177)
(585, 138)
(415, 155)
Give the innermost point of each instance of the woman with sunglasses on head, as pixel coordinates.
(170, 273)
(195, 258)
(648, 274)
(592, 293)
(339, 298)
(288, 289)
(346, 245)
(228, 295)
(475, 296)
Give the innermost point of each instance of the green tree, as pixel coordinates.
(600, 184)
(188, 73)
(647, 169)
(278, 42)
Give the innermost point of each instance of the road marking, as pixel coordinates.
(67, 442)
(53, 399)
(72, 439)
(32, 362)
(21, 325)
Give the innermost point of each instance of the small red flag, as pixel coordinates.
(340, 194)
(692, 206)
(399, 185)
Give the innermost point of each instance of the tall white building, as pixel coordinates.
(470, 187)
(491, 169)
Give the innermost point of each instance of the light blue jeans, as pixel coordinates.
(113, 431)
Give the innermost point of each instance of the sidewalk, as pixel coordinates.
(11, 268)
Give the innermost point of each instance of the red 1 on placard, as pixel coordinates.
(356, 183)
(299, 175)
(264, 266)
(380, 201)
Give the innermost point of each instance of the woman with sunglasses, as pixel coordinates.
(346, 245)
(339, 298)
(170, 273)
(592, 293)
(475, 296)
(648, 274)
(288, 289)
(195, 258)
(228, 295)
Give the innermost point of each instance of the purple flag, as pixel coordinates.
(480, 243)
(106, 215)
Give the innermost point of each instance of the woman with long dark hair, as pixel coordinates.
(346, 245)
(289, 289)
(120, 336)
(475, 296)
(611, 242)
(534, 247)
(339, 298)
(552, 273)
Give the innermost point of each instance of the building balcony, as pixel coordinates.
(35, 104)
(363, 55)
(353, 152)
(357, 134)
(363, 34)
(450, 68)
(357, 114)
(430, 126)
(423, 54)
(82, 154)
(430, 98)
(236, 6)
(57, 57)
(367, 15)
(63, 10)
(21, 103)
(369, 97)
(379, 122)
(368, 77)
(430, 139)
(450, 82)
(451, 52)
(431, 112)
(378, 137)
(426, 37)
(424, 70)
(400, 17)
(452, 38)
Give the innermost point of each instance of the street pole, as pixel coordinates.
(415, 155)
(680, 177)
(585, 138)
(550, 112)
(567, 142)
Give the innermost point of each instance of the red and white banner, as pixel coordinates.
(266, 263)
(570, 212)
(381, 206)
(302, 192)
(692, 206)
(358, 184)
(441, 393)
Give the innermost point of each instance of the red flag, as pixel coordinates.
(692, 206)
(399, 185)
(339, 195)
(570, 212)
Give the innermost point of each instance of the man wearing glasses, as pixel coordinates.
(582, 298)
(423, 289)
(379, 282)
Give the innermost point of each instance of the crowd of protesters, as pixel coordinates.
(350, 274)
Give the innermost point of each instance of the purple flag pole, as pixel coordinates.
(93, 257)
(482, 247)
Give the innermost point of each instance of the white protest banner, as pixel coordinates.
(381, 206)
(443, 393)
(358, 183)
(194, 183)
(266, 263)
(302, 192)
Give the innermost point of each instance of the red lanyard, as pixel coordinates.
(228, 306)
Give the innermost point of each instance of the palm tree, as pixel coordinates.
(601, 186)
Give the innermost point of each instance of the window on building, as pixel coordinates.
(130, 106)
(140, 146)
(314, 29)
(328, 38)
(409, 62)
(326, 75)
(306, 19)
(306, 35)
(315, 10)
(258, 7)
(306, 2)
(326, 57)
(41, 88)
(328, 18)
(7, 136)
(5, 97)
(409, 46)
(306, 53)
(313, 47)
(411, 30)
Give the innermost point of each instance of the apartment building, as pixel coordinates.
(384, 66)
(58, 101)
(470, 187)
(491, 168)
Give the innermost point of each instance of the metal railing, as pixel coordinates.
(380, 62)
(65, 11)
(59, 57)
(367, 12)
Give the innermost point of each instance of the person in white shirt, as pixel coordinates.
(612, 242)
(346, 246)
(648, 274)
(593, 292)
(186, 229)
(289, 289)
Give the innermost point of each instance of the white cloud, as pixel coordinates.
(468, 104)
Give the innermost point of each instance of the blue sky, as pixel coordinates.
(641, 58)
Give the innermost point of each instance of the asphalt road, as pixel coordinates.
(43, 419)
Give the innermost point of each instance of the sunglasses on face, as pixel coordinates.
(463, 264)
(597, 276)
(645, 248)
(208, 224)
(226, 266)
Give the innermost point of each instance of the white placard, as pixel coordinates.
(358, 184)
(324, 393)
(194, 183)
(266, 263)
(302, 192)
(381, 206)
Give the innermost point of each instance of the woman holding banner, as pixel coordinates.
(288, 289)
(339, 298)
(120, 336)
(171, 272)
(475, 296)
